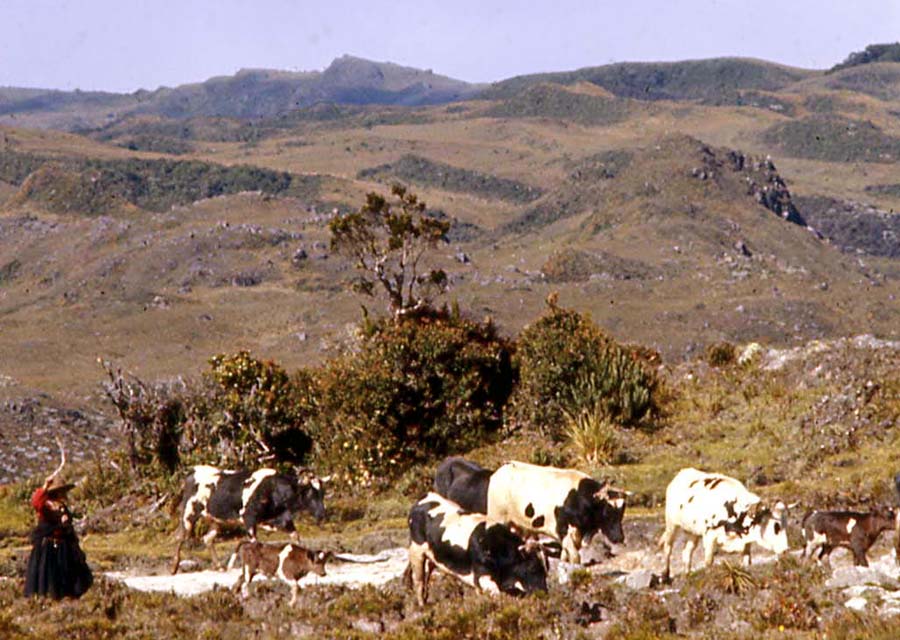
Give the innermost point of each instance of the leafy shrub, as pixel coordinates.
(418, 387)
(567, 364)
(243, 411)
(250, 411)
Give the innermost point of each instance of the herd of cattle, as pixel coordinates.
(496, 529)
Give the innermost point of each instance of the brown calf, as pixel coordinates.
(850, 529)
(290, 562)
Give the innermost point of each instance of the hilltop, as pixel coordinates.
(249, 93)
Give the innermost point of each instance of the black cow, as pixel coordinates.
(471, 547)
(564, 504)
(463, 482)
(248, 498)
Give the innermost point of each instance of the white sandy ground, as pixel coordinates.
(876, 587)
(380, 568)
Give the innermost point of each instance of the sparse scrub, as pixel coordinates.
(551, 101)
(721, 354)
(834, 139)
(94, 186)
(425, 172)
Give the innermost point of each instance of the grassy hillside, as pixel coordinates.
(834, 139)
(100, 186)
(422, 171)
(690, 80)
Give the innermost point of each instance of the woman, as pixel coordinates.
(57, 566)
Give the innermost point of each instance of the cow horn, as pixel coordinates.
(325, 479)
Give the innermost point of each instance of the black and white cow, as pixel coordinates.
(471, 547)
(247, 498)
(723, 513)
(564, 504)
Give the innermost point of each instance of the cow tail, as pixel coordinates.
(809, 512)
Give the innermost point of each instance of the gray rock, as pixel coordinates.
(852, 576)
(640, 579)
(368, 626)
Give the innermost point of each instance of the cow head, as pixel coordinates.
(885, 517)
(516, 566)
(770, 525)
(311, 493)
(317, 560)
(603, 511)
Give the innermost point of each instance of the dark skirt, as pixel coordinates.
(57, 566)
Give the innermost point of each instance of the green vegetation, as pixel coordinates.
(243, 410)
(572, 265)
(413, 390)
(688, 80)
(872, 53)
(567, 365)
(550, 101)
(92, 186)
(157, 144)
(425, 172)
(834, 139)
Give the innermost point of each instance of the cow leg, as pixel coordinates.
(825, 554)
(687, 553)
(668, 537)
(186, 530)
(417, 562)
(859, 557)
(571, 545)
(747, 559)
(709, 548)
(295, 588)
(177, 561)
(209, 540)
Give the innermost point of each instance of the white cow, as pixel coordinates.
(723, 513)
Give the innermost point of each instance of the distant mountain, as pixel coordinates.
(250, 93)
(691, 79)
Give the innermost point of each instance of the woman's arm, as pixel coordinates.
(62, 463)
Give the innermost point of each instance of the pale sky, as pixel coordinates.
(124, 45)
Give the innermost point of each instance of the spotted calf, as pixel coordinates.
(853, 530)
(288, 562)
